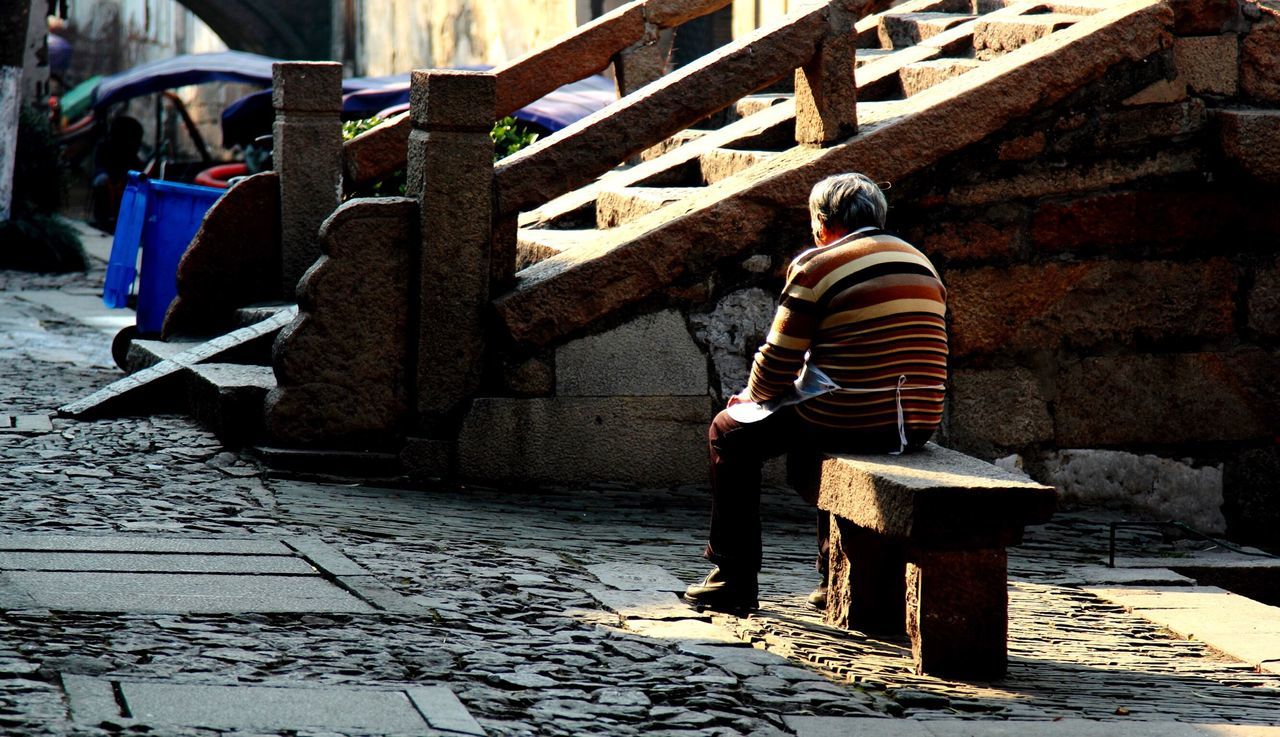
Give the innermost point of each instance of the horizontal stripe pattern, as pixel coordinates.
(868, 309)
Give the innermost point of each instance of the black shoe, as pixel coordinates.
(724, 592)
(818, 598)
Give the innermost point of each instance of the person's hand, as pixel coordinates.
(736, 399)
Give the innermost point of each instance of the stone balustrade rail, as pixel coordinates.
(626, 37)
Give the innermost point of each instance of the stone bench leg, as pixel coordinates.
(867, 580)
(958, 613)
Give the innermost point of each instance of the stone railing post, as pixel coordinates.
(308, 157)
(640, 63)
(826, 93)
(450, 174)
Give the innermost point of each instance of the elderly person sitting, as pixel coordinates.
(856, 361)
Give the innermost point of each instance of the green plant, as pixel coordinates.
(353, 128)
(509, 137)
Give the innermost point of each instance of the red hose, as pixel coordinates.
(217, 176)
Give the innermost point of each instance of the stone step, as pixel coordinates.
(672, 143)
(1073, 7)
(254, 314)
(721, 163)
(752, 104)
(615, 207)
(993, 37)
(538, 244)
(227, 398)
(922, 75)
(865, 56)
(899, 30)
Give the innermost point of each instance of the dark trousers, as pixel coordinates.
(738, 451)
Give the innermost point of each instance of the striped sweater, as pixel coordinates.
(869, 309)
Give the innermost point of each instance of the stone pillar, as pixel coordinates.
(641, 63)
(867, 581)
(826, 94)
(451, 174)
(308, 157)
(958, 613)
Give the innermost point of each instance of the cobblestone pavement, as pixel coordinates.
(508, 614)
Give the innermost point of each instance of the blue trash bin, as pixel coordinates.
(161, 218)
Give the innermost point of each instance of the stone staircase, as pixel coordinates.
(901, 52)
(501, 348)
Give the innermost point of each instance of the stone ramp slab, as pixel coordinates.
(141, 704)
(136, 389)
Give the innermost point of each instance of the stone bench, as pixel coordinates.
(918, 546)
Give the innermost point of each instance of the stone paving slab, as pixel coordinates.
(141, 544)
(417, 710)
(160, 592)
(153, 563)
(636, 577)
(644, 604)
(25, 424)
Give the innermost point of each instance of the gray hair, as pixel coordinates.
(850, 201)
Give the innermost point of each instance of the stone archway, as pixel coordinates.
(287, 29)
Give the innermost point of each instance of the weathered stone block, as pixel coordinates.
(640, 440)
(1048, 181)
(454, 100)
(933, 497)
(1089, 304)
(1251, 141)
(671, 13)
(922, 75)
(652, 355)
(826, 95)
(306, 86)
(234, 259)
(866, 581)
(1022, 148)
(343, 366)
(994, 37)
(990, 409)
(615, 207)
(639, 65)
(1163, 487)
(308, 157)
(958, 612)
(907, 29)
(428, 458)
(1260, 60)
(1209, 64)
(451, 173)
(1251, 497)
(1104, 221)
(227, 398)
(1199, 17)
(733, 331)
(1168, 399)
(533, 377)
(1264, 301)
(986, 234)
